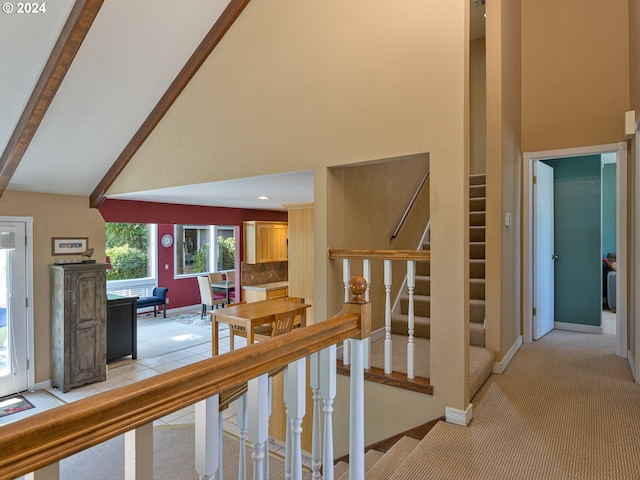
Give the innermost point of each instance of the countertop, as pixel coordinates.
(266, 286)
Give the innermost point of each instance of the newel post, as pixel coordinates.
(358, 305)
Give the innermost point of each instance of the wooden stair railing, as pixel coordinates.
(45, 438)
(409, 380)
(411, 202)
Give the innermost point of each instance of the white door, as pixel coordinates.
(13, 308)
(543, 250)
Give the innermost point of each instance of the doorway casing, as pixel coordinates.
(620, 149)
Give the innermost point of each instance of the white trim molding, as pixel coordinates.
(620, 149)
(501, 366)
(578, 327)
(459, 417)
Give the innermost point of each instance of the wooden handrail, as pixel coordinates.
(47, 437)
(418, 255)
(413, 200)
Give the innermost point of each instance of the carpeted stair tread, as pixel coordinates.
(476, 288)
(477, 204)
(392, 458)
(477, 219)
(339, 468)
(421, 305)
(477, 191)
(476, 334)
(477, 233)
(421, 325)
(423, 285)
(478, 179)
(476, 310)
(481, 362)
(477, 250)
(423, 268)
(371, 457)
(476, 268)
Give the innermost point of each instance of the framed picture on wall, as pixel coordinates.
(69, 246)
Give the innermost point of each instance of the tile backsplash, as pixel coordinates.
(259, 273)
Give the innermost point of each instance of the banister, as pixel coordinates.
(47, 437)
(417, 255)
(413, 200)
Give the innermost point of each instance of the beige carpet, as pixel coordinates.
(566, 408)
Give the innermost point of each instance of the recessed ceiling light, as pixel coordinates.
(263, 197)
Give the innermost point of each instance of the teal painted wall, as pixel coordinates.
(577, 224)
(608, 208)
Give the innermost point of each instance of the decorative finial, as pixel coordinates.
(357, 286)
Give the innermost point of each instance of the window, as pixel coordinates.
(132, 255)
(195, 253)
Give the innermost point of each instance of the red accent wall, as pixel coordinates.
(183, 291)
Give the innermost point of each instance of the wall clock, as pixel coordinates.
(166, 240)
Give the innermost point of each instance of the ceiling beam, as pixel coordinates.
(73, 34)
(208, 44)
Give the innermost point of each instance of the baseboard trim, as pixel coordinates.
(459, 417)
(576, 327)
(501, 366)
(43, 385)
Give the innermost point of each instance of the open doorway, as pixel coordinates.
(529, 286)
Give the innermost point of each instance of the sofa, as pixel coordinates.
(158, 298)
(609, 283)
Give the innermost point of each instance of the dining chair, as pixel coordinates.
(230, 276)
(298, 320)
(234, 330)
(283, 324)
(206, 295)
(216, 277)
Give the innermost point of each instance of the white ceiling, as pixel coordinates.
(132, 53)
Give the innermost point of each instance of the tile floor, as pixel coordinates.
(127, 371)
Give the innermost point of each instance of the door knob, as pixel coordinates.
(554, 257)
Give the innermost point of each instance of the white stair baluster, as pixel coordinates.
(50, 472)
(242, 419)
(258, 422)
(346, 275)
(207, 438)
(356, 411)
(316, 439)
(411, 283)
(366, 273)
(328, 391)
(220, 474)
(296, 372)
(387, 317)
(267, 450)
(138, 453)
(288, 449)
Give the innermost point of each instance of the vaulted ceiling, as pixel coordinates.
(83, 83)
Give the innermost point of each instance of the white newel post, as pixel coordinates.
(356, 411)
(208, 438)
(387, 317)
(296, 373)
(346, 274)
(316, 434)
(411, 283)
(50, 472)
(259, 422)
(242, 419)
(366, 273)
(328, 392)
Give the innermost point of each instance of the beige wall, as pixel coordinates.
(311, 85)
(503, 175)
(53, 216)
(634, 53)
(575, 73)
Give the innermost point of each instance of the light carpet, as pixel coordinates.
(566, 408)
(174, 458)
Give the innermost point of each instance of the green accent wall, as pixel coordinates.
(608, 208)
(577, 224)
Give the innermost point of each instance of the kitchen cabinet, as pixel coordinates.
(265, 242)
(266, 291)
(79, 324)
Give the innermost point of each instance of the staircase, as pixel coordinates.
(481, 359)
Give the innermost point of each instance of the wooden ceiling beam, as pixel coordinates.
(208, 44)
(73, 34)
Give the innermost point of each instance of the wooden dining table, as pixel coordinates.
(250, 315)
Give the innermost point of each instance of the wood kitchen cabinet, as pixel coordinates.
(265, 242)
(79, 324)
